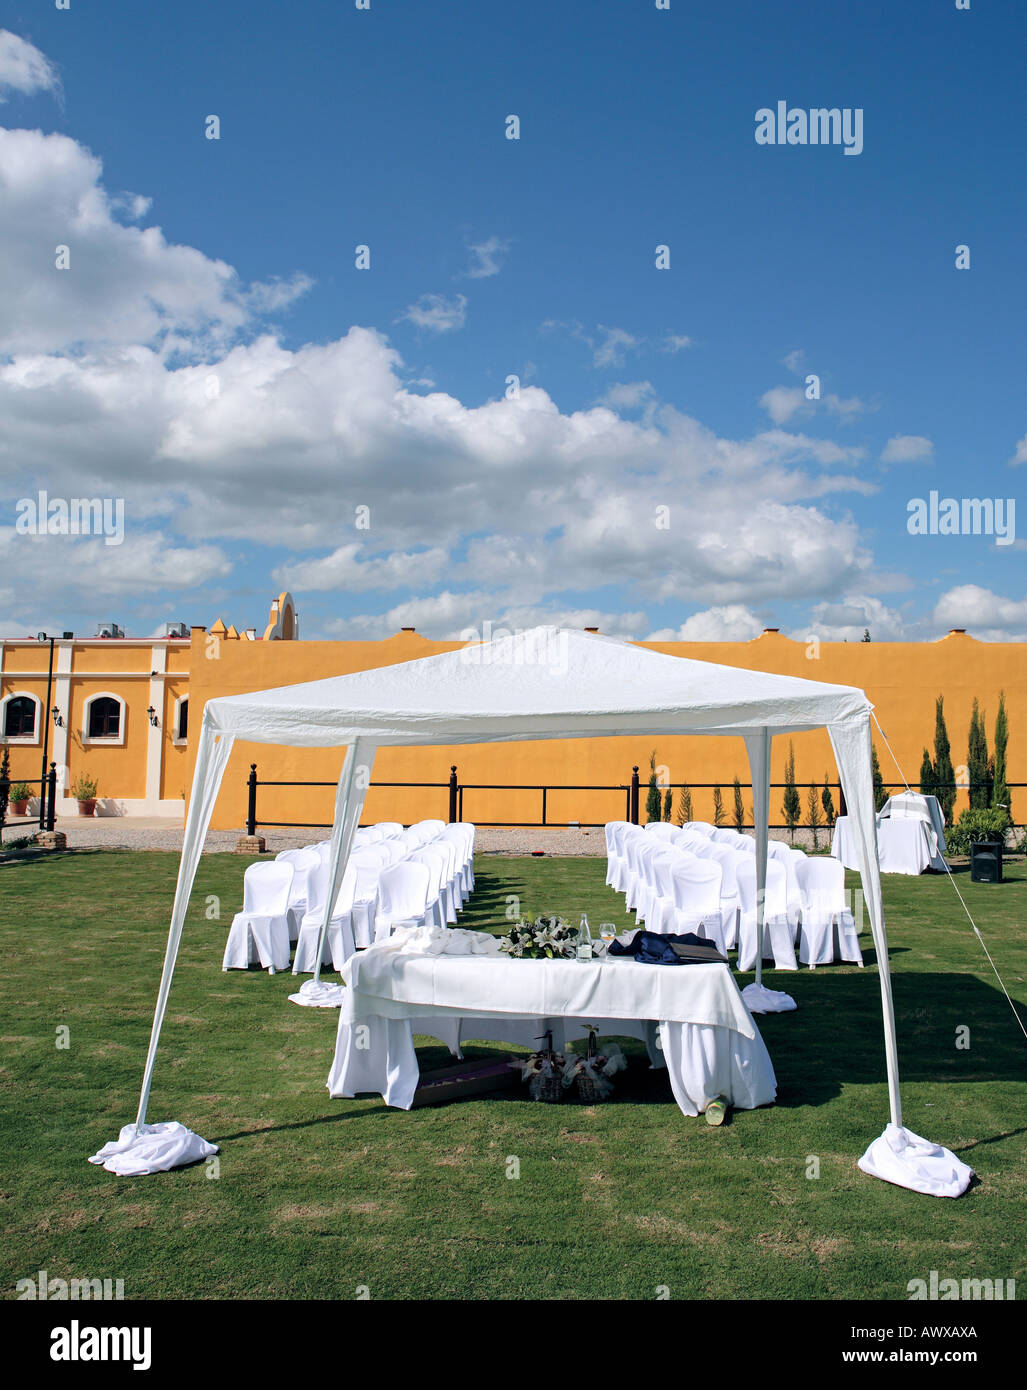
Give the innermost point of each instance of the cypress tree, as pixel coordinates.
(977, 761)
(927, 775)
(999, 791)
(5, 785)
(792, 806)
(718, 806)
(668, 802)
(880, 790)
(685, 805)
(653, 801)
(827, 801)
(814, 809)
(739, 807)
(944, 773)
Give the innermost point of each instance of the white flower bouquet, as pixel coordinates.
(546, 938)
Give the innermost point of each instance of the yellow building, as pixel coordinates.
(143, 762)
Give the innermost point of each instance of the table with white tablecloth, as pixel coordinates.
(904, 846)
(699, 1026)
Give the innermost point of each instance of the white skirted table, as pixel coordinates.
(705, 1034)
(904, 846)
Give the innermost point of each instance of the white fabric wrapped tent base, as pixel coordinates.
(318, 994)
(761, 1000)
(153, 1149)
(903, 1158)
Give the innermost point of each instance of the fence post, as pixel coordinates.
(51, 796)
(841, 802)
(634, 796)
(452, 794)
(251, 810)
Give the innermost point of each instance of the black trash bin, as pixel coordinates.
(986, 862)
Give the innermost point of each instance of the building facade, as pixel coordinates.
(104, 691)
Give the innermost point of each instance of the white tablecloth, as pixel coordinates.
(915, 806)
(706, 1035)
(904, 846)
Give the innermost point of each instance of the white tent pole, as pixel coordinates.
(349, 802)
(211, 759)
(853, 756)
(758, 747)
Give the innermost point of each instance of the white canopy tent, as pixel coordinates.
(551, 683)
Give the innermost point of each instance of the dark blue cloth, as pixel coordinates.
(652, 949)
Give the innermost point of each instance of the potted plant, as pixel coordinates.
(20, 794)
(84, 792)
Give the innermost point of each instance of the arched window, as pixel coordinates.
(182, 719)
(104, 717)
(20, 717)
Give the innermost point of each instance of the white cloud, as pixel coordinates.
(675, 342)
(627, 395)
(794, 361)
(782, 402)
(125, 285)
(847, 620)
(907, 448)
(23, 68)
(345, 569)
(436, 313)
(277, 294)
(986, 615)
(147, 561)
(486, 258)
(731, 623)
(1021, 452)
(616, 342)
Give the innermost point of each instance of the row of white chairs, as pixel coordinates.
(699, 875)
(394, 876)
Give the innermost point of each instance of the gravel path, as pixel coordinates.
(138, 832)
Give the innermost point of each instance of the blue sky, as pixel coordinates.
(640, 389)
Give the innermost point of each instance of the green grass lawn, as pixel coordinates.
(317, 1197)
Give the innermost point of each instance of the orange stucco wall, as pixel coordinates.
(902, 679)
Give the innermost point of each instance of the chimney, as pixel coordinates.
(408, 629)
(591, 629)
(957, 631)
(771, 629)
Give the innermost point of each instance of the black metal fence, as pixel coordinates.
(630, 791)
(47, 795)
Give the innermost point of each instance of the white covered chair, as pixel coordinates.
(788, 858)
(662, 829)
(778, 938)
(260, 932)
(697, 886)
(730, 902)
(461, 836)
(615, 860)
(390, 829)
(827, 921)
(340, 941)
(402, 898)
(304, 862)
(634, 842)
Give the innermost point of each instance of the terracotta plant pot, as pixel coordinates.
(87, 808)
(19, 808)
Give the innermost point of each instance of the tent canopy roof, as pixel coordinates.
(544, 683)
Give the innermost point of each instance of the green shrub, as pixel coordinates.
(976, 825)
(21, 791)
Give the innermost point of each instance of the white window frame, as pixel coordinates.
(22, 740)
(176, 741)
(105, 740)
